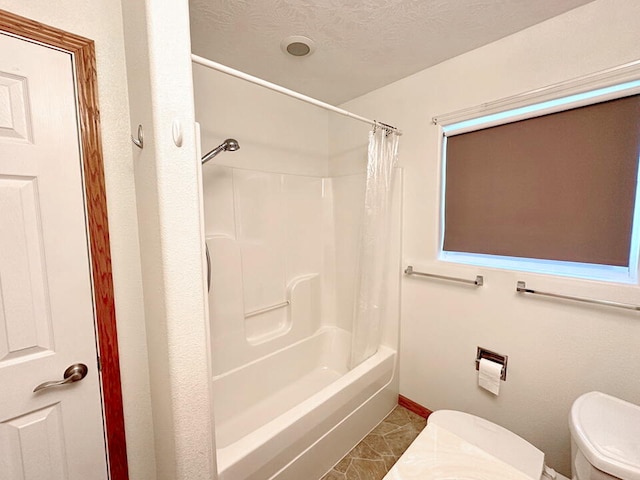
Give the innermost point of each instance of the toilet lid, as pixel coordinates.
(437, 454)
(492, 439)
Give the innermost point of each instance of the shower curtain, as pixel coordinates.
(373, 247)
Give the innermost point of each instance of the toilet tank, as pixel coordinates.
(493, 439)
(605, 433)
(581, 469)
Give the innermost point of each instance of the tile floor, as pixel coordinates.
(372, 458)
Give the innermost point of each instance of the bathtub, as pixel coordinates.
(293, 414)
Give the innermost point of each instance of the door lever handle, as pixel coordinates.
(74, 373)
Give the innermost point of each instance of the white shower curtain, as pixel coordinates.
(373, 247)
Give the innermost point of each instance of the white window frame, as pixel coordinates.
(611, 84)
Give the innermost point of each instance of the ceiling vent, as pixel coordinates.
(298, 46)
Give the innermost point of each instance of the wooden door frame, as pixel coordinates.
(82, 52)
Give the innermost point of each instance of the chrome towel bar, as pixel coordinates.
(286, 303)
(478, 282)
(521, 287)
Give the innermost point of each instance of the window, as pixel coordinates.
(550, 187)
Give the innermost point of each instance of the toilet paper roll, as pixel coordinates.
(489, 375)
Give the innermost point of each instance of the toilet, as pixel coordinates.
(605, 438)
(605, 435)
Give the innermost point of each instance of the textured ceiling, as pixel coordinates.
(361, 45)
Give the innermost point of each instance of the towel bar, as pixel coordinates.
(478, 282)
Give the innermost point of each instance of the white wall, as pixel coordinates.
(557, 350)
(101, 21)
(169, 208)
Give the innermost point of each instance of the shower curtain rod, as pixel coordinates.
(291, 93)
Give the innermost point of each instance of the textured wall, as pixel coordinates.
(101, 21)
(167, 176)
(557, 350)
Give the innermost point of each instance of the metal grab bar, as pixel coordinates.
(286, 303)
(478, 282)
(521, 287)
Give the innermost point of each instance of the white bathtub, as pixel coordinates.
(293, 414)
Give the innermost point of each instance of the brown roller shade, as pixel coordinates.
(557, 187)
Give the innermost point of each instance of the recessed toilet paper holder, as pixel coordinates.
(494, 357)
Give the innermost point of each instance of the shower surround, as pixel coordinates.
(283, 255)
(282, 227)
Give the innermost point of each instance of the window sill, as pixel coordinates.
(604, 273)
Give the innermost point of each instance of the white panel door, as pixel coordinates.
(46, 304)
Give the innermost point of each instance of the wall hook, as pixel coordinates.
(138, 142)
